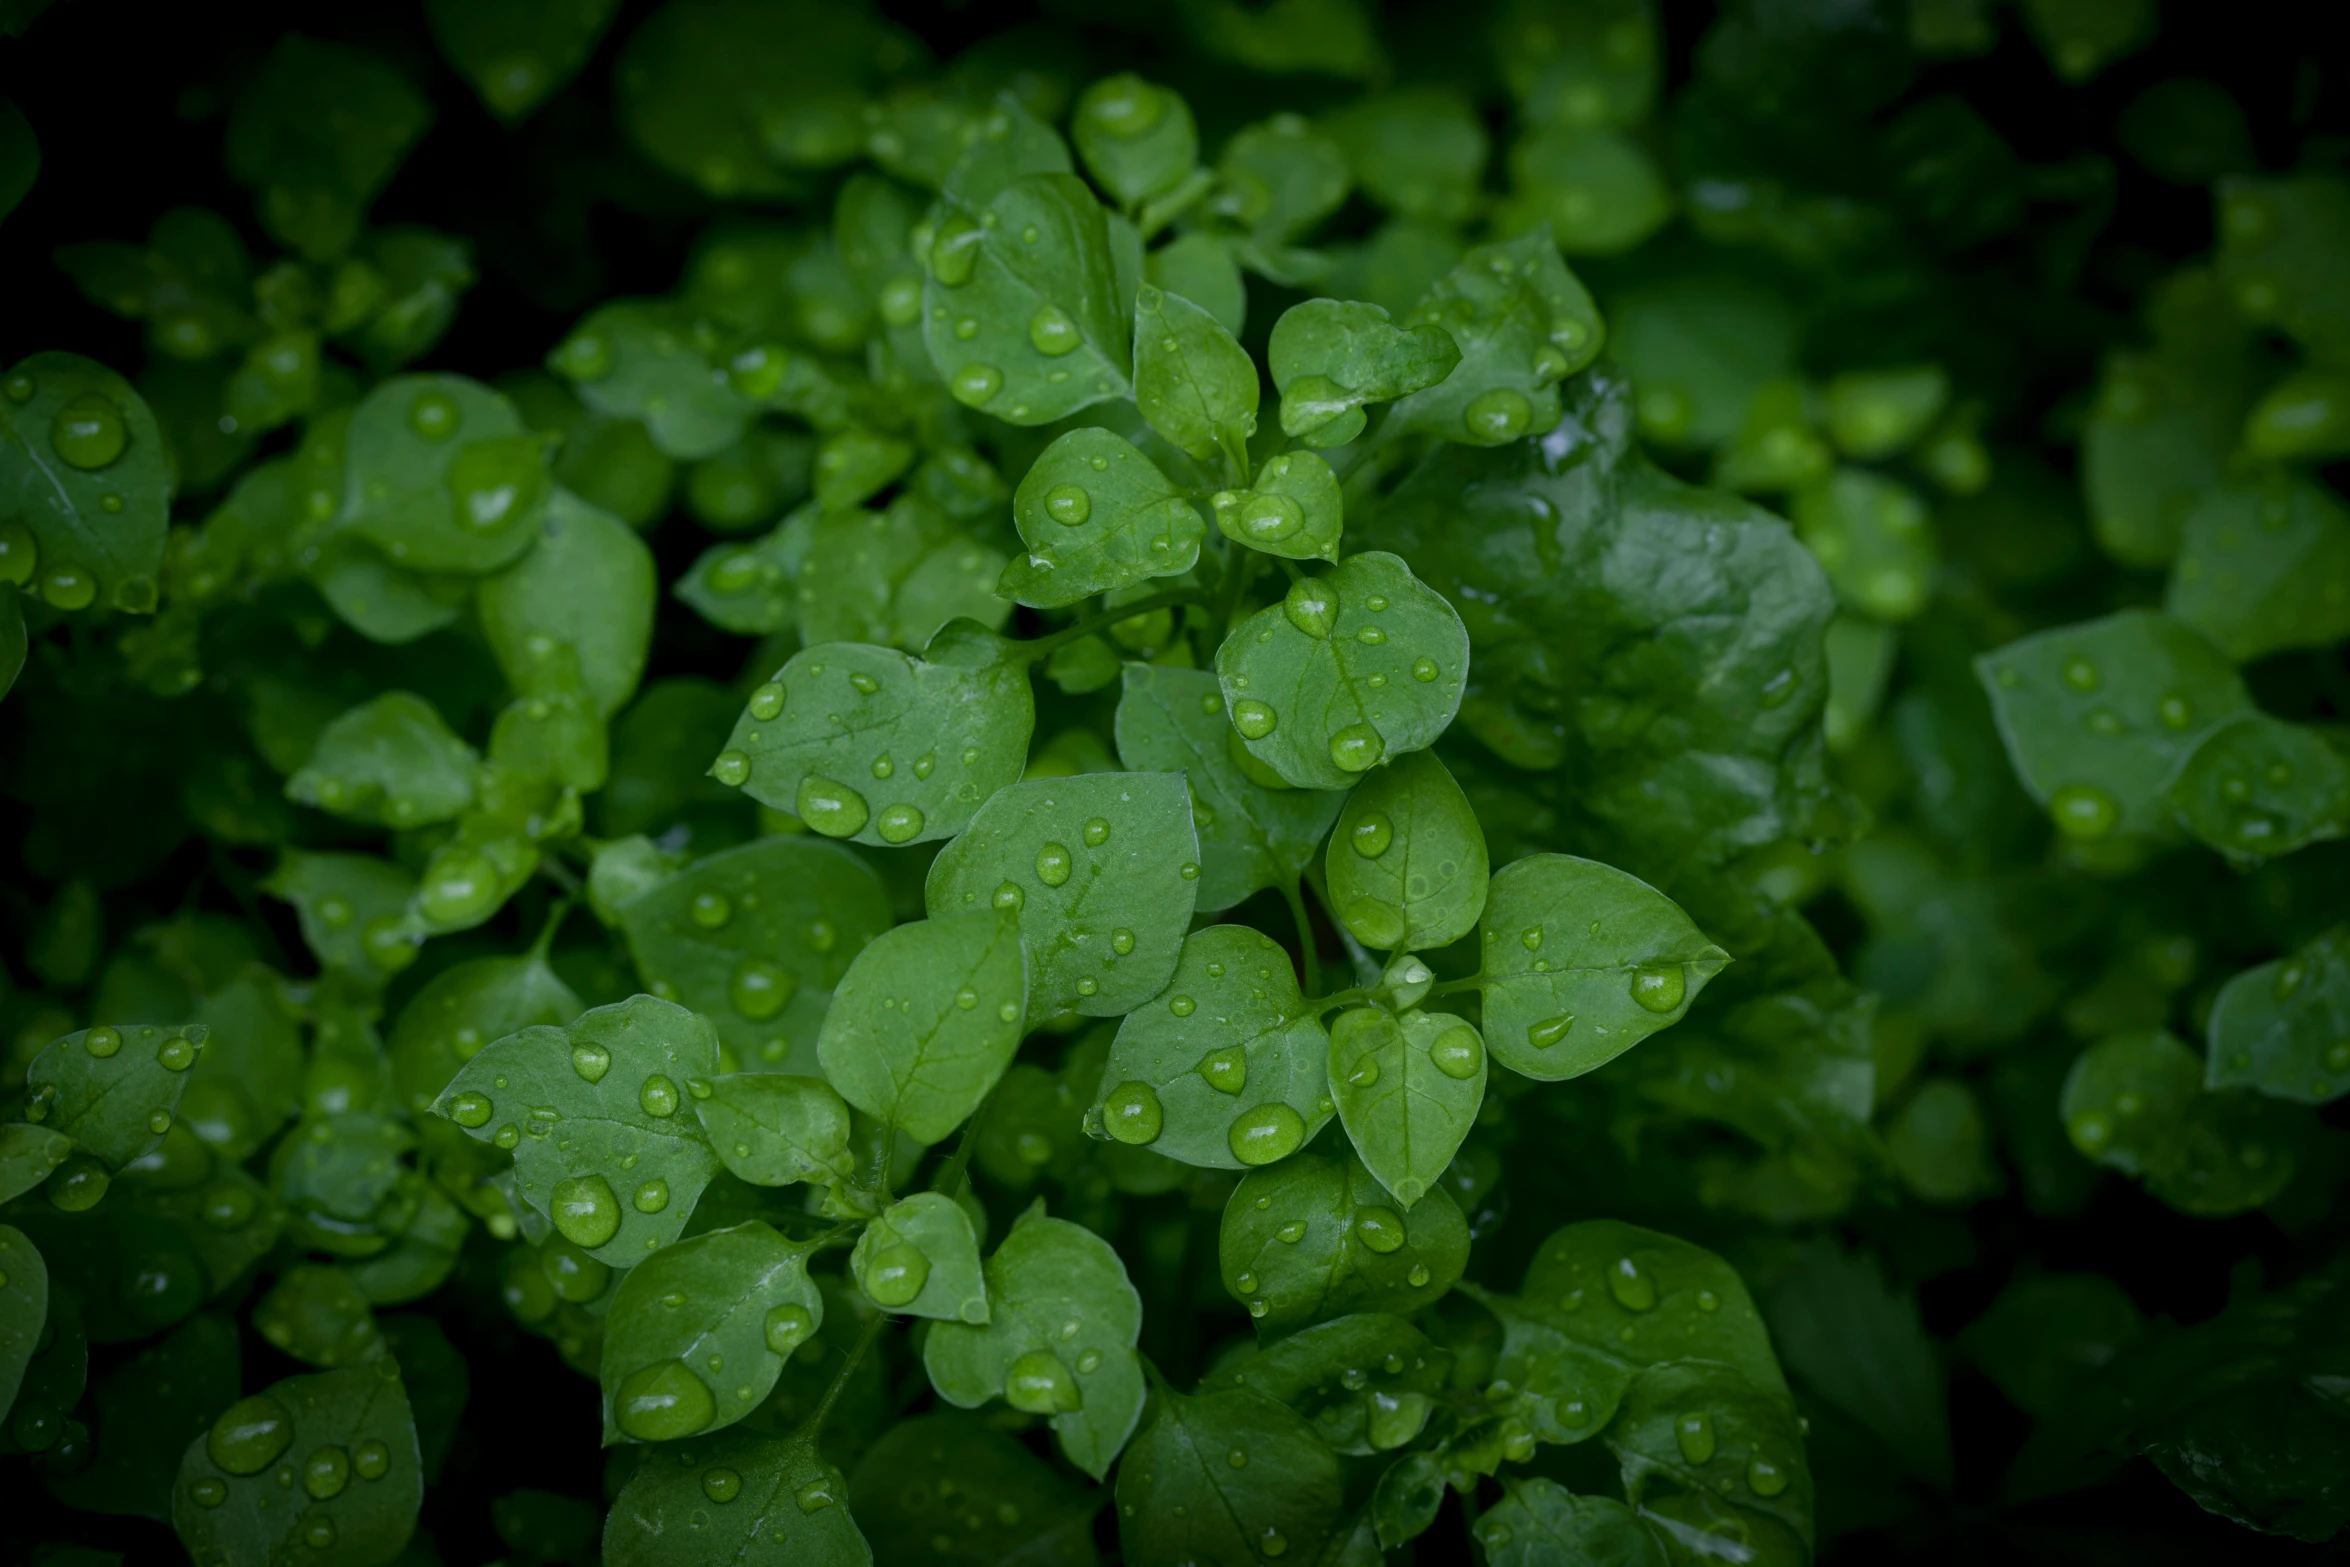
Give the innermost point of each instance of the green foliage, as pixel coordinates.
(808, 841)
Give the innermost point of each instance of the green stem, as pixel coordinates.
(1236, 585)
(1309, 961)
(1342, 998)
(1453, 987)
(564, 878)
(813, 1426)
(951, 1174)
(555, 918)
(1045, 646)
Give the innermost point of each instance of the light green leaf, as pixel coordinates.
(895, 577)
(1872, 536)
(1225, 1067)
(697, 1334)
(2264, 565)
(1690, 1440)
(921, 1256)
(772, 1129)
(1328, 1241)
(754, 937)
(918, 1485)
(317, 132)
(1406, 864)
(1602, 1302)
(1582, 962)
(1137, 138)
(351, 907)
(1419, 151)
(1199, 266)
(2097, 716)
(2256, 786)
(1097, 515)
(1522, 323)
(1194, 383)
(1059, 1340)
(590, 1113)
(229, 1504)
(27, 1154)
(24, 1309)
(2284, 1027)
(1538, 1522)
(517, 53)
(2136, 1103)
(588, 586)
(113, 1090)
(1368, 1382)
(1355, 667)
(1408, 1089)
(441, 476)
(85, 483)
(866, 743)
(1184, 1496)
(652, 361)
(1008, 144)
(390, 762)
(926, 1020)
(1034, 276)
(1250, 837)
(2282, 244)
(1295, 510)
(1330, 358)
(789, 1508)
(1101, 868)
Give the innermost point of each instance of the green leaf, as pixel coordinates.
(1860, 1344)
(1295, 510)
(697, 1334)
(85, 484)
(2136, 1103)
(1419, 152)
(145, 1413)
(2046, 1340)
(441, 476)
(1276, 181)
(1408, 1089)
(1059, 1340)
(1195, 384)
(1355, 667)
(317, 1315)
(1580, 955)
(1101, 869)
(1872, 536)
(1368, 1382)
(1030, 269)
(2284, 1027)
(1328, 1242)
(772, 1129)
(926, 1020)
(2264, 566)
(1691, 1440)
(351, 907)
(113, 1090)
(1593, 187)
(1199, 266)
(390, 762)
(1097, 515)
(754, 937)
(2097, 716)
(1226, 1477)
(2282, 243)
(317, 132)
(1940, 1144)
(2256, 786)
(1137, 138)
(1250, 836)
(651, 361)
(352, 1437)
(866, 743)
(517, 53)
(27, 1154)
(921, 1256)
(787, 1507)
(1522, 323)
(588, 586)
(1538, 1521)
(1407, 867)
(1330, 358)
(24, 1309)
(590, 1113)
(952, 1477)
(1225, 1067)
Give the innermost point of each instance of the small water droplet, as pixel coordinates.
(1357, 748)
(1226, 1069)
(975, 384)
(1254, 719)
(1633, 1289)
(1371, 834)
(1549, 1031)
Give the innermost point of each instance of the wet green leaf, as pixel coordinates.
(1860, 1344)
(1276, 180)
(920, 1256)
(1294, 510)
(27, 1154)
(113, 1090)
(1522, 323)
(697, 1334)
(24, 1309)
(2047, 1338)
(1192, 380)
(950, 1477)
(772, 1129)
(518, 53)
(1538, 1521)
(317, 132)
(317, 1315)
(440, 475)
(1137, 138)
(1199, 267)
(926, 1020)
(2282, 242)
(587, 586)
(1097, 515)
(1407, 866)
(389, 762)
(1408, 1089)
(2136, 1103)
(1101, 870)
(651, 361)
(786, 1507)
(1329, 1241)
(145, 1413)
(1594, 189)
(2256, 786)
(1367, 1383)
(2284, 1027)
(590, 1112)
(1329, 358)
(1695, 1442)
(2264, 566)
(1227, 1477)
(351, 907)
(85, 485)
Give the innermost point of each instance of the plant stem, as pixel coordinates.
(1045, 646)
(814, 1424)
(1342, 998)
(1453, 987)
(951, 1175)
(555, 918)
(565, 879)
(1238, 575)
(1309, 962)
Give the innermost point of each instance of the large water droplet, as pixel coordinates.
(250, 1434)
(1633, 1289)
(954, 252)
(1694, 1433)
(2084, 811)
(658, 1096)
(1357, 748)
(898, 823)
(1765, 1478)
(711, 910)
(896, 1274)
(1052, 333)
(1131, 1113)
(1458, 1052)
(833, 809)
(470, 1109)
(1379, 1228)
(1068, 505)
(2080, 674)
(1659, 987)
(326, 1471)
(721, 1485)
(1549, 1031)
(975, 384)
(434, 416)
(88, 431)
(732, 768)
(652, 1196)
(788, 1327)
(590, 1060)
(1053, 864)
(1253, 718)
(1038, 1384)
(662, 1402)
(1499, 415)
(1371, 834)
(585, 1210)
(1268, 517)
(1008, 896)
(1266, 1133)
(1226, 1069)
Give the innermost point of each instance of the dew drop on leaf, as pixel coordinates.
(1357, 748)
(658, 1096)
(1632, 1289)
(1660, 987)
(662, 1402)
(1037, 1383)
(585, 1210)
(1053, 864)
(1371, 834)
(1254, 719)
(1131, 1114)
(1226, 1069)
(833, 809)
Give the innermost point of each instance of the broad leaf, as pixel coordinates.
(588, 586)
(1368, 1383)
(920, 1256)
(24, 1309)
(1331, 358)
(926, 1020)
(948, 1476)
(27, 1154)
(1226, 1477)
(2136, 1103)
(1295, 510)
(2256, 786)
(86, 481)
(2284, 1027)
(771, 1129)
(113, 1090)
(440, 475)
(2264, 566)
(1716, 1462)
(696, 1335)
(1408, 1089)
(389, 762)
(1097, 515)
(1522, 323)
(783, 1506)
(462, 1008)
(1195, 384)
(1406, 865)
(1539, 1521)
(650, 361)
(1328, 1241)
(516, 53)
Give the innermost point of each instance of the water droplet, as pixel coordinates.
(1633, 1289)
(1379, 1228)
(250, 1434)
(88, 431)
(434, 416)
(896, 1274)
(1501, 414)
(767, 702)
(585, 1210)
(860, 682)
(1268, 517)
(653, 1196)
(470, 1109)
(1695, 1435)
(1291, 1233)
(733, 769)
(662, 1402)
(1707, 1300)
(2084, 811)
(1549, 1031)
(833, 809)
(658, 1096)
(1038, 1384)
(975, 384)
(318, 1531)
(1266, 1133)
(1226, 1069)
(1068, 505)
(1357, 748)
(788, 1327)
(2080, 674)
(1131, 1114)
(721, 1485)
(1419, 1276)
(591, 1061)
(209, 1491)
(1364, 1074)
(102, 1042)
(1008, 896)
(326, 1471)
(1052, 333)
(711, 910)
(1053, 864)
(1458, 1052)
(1765, 1478)
(954, 252)
(1660, 987)
(1274, 1543)
(1253, 718)
(1377, 924)
(1371, 834)
(898, 823)
(2176, 713)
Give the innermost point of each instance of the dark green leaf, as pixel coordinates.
(926, 1020)
(697, 1334)
(1408, 1089)
(389, 762)
(1522, 323)
(113, 1090)
(949, 1477)
(1328, 1242)
(517, 53)
(1192, 380)
(2136, 1103)
(1539, 1521)
(440, 475)
(317, 132)
(1225, 1477)
(24, 1309)
(1367, 1382)
(2284, 1027)
(1407, 867)
(1716, 1462)
(1097, 515)
(784, 1507)
(1329, 358)
(85, 484)
(587, 586)
(2256, 786)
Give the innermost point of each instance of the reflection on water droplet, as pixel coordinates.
(1357, 748)
(721, 1485)
(585, 1210)
(1226, 1070)
(898, 823)
(591, 1061)
(1266, 1133)
(975, 384)
(434, 416)
(1379, 1228)
(2084, 811)
(1131, 1114)
(1009, 896)
(1695, 1435)
(1253, 718)
(1068, 505)
(1371, 834)
(470, 1109)
(1501, 414)
(1659, 987)
(1765, 1478)
(662, 1402)
(1053, 864)
(1038, 1383)
(1457, 1052)
(896, 1274)
(658, 1096)
(1052, 333)
(833, 809)
(1633, 1289)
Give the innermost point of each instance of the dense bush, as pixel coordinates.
(1536, 782)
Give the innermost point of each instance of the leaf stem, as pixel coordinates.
(1236, 585)
(1309, 961)
(952, 1174)
(565, 879)
(1453, 987)
(1045, 646)
(555, 918)
(1342, 998)
(813, 1426)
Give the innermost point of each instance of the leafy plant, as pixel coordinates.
(1251, 788)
